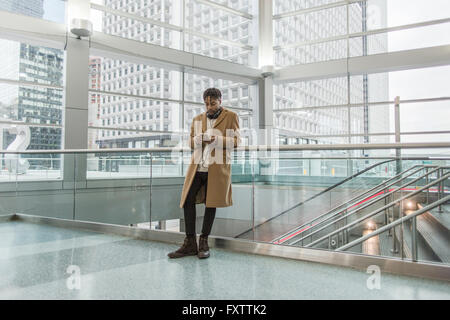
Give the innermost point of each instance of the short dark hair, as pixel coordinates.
(213, 93)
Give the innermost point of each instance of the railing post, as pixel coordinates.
(397, 134)
(385, 210)
(390, 215)
(414, 239)
(394, 232)
(394, 243)
(252, 165)
(441, 190)
(399, 216)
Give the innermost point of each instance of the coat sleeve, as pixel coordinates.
(195, 140)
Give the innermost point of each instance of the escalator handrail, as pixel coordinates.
(342, 204)
(394, 224)
(351, 224)
(368, 204)
(377, 188)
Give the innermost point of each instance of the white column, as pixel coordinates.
(264, 117)
(265, 34)
(76, 97)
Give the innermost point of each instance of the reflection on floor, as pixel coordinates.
(43, 262)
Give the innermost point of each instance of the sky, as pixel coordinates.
(420, 83)
(53, 10)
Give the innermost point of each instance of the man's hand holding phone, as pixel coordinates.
(208, 138)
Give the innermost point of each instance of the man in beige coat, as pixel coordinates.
(214, 134)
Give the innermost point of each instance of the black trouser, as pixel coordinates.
(200, 178)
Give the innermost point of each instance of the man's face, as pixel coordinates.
(212, 105)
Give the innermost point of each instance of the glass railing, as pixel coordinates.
(276, 193)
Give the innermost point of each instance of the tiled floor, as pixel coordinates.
(34, 262)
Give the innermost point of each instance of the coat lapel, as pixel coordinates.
(220, 117)
(204, 122)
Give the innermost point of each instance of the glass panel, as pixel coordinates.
(34, 104)
(124, 27)
(52, 10)
(123, 200)
(401, 12)
(166, 193)
(130, 78)
(45, 184)
(224, 25)
(243, 5)
(25, 62)
(296, 126)
(311, 26)
(237, 220)
(299, 181)
(8, 199)
(372, 87)
(141, 113)
(31, 104)
(131, 138)
(283, 6)
(17, 137)
(408, 84)
(373, 119)
(388, 190)
(409, 39)
(199, 18)
(318, 52)
(314, 93)
(219, 50)
(234, 95)
(430, 116)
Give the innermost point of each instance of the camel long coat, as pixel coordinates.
(218, 193)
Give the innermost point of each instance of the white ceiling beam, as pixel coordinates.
(46, 33)
(34, 31)
(401, 60)
(377, 63)
(311, 71)
(132, 50)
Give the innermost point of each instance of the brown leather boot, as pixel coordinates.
(203, 249)
(189, 248)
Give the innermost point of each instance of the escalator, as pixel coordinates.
(332, 198)
(364, 202)
(404, 218)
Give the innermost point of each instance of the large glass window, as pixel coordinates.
(243, 105)
(128, 99)
(52, 10)
(34, 95)
(310, 32)
(199, 28)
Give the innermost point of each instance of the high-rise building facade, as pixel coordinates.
(154, 115)
(335, 124)
(95, 67)
(33, 105)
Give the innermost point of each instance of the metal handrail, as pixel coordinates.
(303, 147)
(349, 213)
(355, 199)
(394, 223)
(376, 211)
